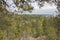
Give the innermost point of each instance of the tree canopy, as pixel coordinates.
(25, 5)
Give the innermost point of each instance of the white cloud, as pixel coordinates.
(49, 6)
(35, 5)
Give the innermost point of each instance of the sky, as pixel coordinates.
(46, 9)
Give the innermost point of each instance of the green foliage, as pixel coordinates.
(2, 35)
(13, 27)
(20, 25)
